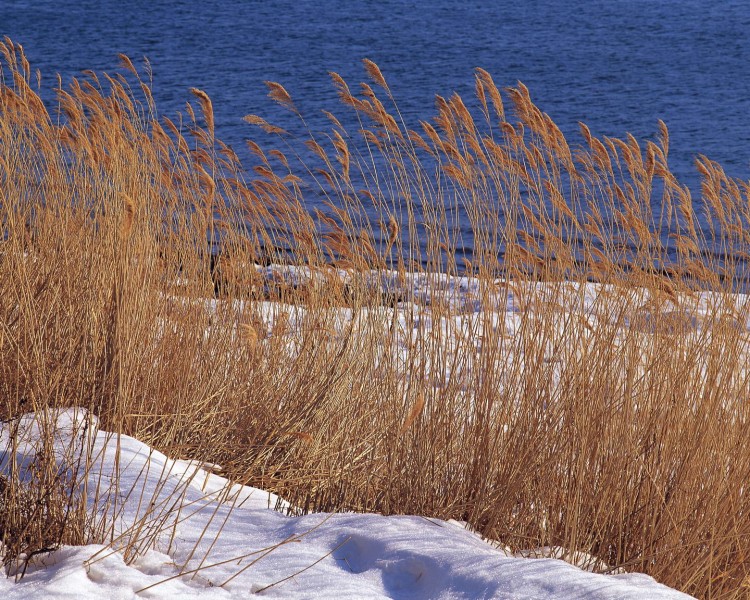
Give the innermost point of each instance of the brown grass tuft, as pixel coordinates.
(207, 108)
(373, 71)
(587, 384)
(413, 415)
(278, 94)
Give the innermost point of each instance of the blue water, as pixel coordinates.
(616, 65)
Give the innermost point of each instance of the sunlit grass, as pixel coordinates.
(605, 413)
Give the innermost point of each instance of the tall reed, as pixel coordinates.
(586, 388)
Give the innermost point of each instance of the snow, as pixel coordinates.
(208, 538)
(177, 529)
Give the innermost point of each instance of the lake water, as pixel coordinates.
(616, 65)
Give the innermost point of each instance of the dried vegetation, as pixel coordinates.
(608, 413)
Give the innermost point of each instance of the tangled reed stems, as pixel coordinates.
(587, 390)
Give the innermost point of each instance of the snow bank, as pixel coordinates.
(211, 539)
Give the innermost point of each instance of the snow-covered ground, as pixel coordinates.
(211, 539)
(198, 535)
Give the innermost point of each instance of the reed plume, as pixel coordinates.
(583, 347)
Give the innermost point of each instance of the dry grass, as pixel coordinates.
(610, 419)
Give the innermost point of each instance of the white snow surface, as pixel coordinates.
(226, 541)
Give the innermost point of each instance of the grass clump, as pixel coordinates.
(578, 379)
